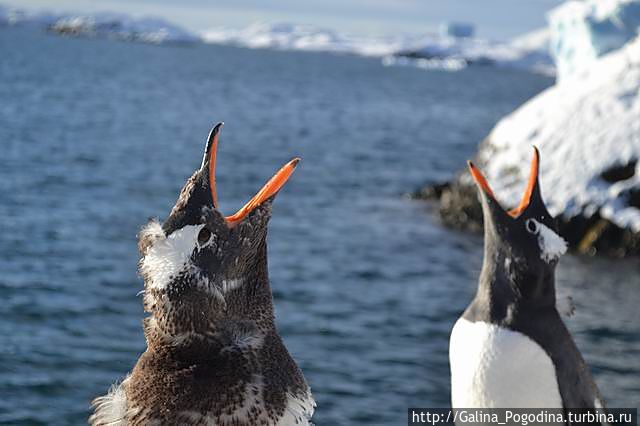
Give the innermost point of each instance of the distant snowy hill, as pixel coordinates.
(104, 25)
(428, 51)
(452, 49)
(285, 36)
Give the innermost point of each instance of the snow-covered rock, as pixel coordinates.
(587, 129)
(583, 31)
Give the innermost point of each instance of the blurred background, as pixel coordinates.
(104, 111)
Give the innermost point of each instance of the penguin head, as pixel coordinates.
(202, 268)
(521, 244)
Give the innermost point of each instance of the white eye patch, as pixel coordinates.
(167, 257)
(552, 245)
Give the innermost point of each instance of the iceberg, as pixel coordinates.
(583, 31)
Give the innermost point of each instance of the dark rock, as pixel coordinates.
(620, 172)
(459, 207)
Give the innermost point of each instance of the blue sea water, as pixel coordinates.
(97, 136)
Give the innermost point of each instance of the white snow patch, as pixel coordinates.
(552, 245)
(582, 127)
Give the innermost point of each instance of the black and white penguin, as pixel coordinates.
(510, 348)
(214, 356)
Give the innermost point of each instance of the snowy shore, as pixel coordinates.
(431, 51)
(587, 128)
(450, 50)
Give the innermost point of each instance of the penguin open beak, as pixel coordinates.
(531, 184)
(530, 190)
(269, 189)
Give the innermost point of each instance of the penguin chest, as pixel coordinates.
(493, 366)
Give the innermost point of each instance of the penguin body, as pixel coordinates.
(214, 356)
(487, 368)
(510, 348)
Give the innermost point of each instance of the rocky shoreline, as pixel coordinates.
(586, 129)
(458, 206)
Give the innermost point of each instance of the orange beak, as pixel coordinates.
(480, 179)
(526, 197)
(267, 191)
(533, 178)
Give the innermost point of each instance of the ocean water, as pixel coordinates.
(97, 136)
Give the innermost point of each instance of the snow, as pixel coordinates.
(582, 126)
(583, 31)
(529, 51)
(552, 245)
(431, 50)
(453, 49)
(286, 36)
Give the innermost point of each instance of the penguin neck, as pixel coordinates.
(495, 290)
(506, 287)
(235, 309)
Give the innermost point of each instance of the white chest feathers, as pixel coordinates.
(496, 367)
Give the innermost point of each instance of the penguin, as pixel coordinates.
(214, 355)
(510, 348)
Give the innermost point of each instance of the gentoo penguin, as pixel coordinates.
(510, 348)
(214, 356)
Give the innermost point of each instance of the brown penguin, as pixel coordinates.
(214, 356)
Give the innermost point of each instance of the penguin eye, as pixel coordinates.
(532, 226)
(204, 235)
